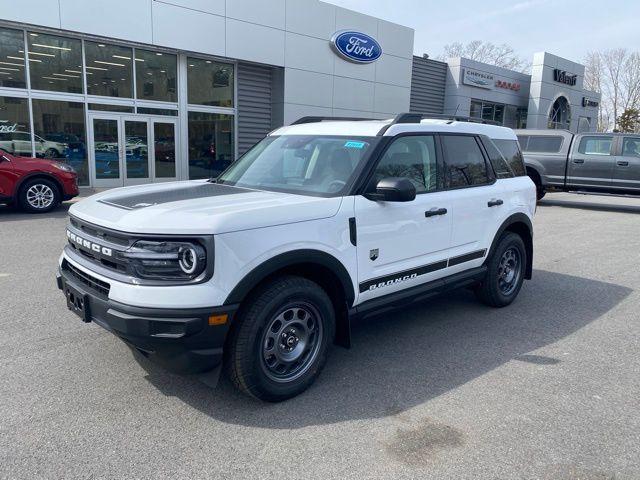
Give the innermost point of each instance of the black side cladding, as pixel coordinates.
(188, 192)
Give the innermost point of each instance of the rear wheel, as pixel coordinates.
(39, 196)
(280, 344)
(535, 178)
(505, 272)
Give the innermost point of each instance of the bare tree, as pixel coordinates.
(499, 55)
(593, 79)
(616, 75)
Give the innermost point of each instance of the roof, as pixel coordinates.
(372, 128)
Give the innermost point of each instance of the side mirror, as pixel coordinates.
(393, 189)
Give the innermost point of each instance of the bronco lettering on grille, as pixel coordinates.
(94, 247)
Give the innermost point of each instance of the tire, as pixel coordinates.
(501, 286)
(535, 178)
(39, 195)
(51, 153)
(265, 353)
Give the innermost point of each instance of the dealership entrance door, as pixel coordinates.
(131, 149)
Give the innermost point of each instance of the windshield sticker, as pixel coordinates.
(354, 144)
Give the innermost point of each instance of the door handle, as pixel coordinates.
(578, 160)
(435, 212)
(623, 163)
(495, 202)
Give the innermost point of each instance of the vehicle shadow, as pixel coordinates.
(12, 213)
(602, 207)
(404, 359)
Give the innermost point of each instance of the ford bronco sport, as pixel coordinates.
(259, 271)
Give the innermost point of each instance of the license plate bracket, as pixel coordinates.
(78, 302)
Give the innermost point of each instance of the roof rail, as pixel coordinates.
(303, 120)
(418, 117)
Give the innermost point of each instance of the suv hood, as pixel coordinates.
(198, 207)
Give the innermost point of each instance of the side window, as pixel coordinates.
(411, 157)
(464, 163)
(631, 147)
(499, 163)
(511, 152)
(595, 145)
(523, 139)
(544, 144)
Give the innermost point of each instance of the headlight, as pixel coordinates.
(166, 260)
(64, 167)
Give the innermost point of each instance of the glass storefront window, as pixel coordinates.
(164, 135)
(12, 58)
(55, 63)
(109, 70)
(493, 112)
(15, 128)
(103, 107)
(158, 111)
(209, 83)
(156, 76)
(211, 144)
(60, 133)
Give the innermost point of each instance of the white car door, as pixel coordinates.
(477, 201)
(404, 244)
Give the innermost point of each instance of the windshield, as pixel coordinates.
(304, 164)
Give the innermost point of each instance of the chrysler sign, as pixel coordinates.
(478, 79)
(356, 47)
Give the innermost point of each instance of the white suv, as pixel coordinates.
(262, 269)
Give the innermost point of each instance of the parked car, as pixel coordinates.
(37, 185)
(19, 143)
(596, 162)
(323, 221)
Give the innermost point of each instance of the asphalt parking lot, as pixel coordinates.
(547, 388)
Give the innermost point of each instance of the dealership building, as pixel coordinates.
(143, 91)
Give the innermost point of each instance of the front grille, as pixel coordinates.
(86, 279)
(114, 241)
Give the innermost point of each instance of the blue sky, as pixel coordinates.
(568, 28)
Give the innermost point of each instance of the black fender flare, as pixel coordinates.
(289, 259)
(512, 221)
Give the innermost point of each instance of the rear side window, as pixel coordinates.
(465, 164)
(631, 147)
(511, 152)
(523, 139)
(543, 144)
(498, 162)
(595, 145)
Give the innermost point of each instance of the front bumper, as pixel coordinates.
(179, 340)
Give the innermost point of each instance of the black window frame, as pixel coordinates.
(491, 174)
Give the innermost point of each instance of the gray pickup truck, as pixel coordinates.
(596, 162)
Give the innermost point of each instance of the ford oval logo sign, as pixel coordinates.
(356, 47)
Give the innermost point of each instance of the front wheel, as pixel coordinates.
(39, 196)
(281, 342)
(505, 272)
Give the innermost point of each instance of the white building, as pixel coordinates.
(137, 91)
(132, 91)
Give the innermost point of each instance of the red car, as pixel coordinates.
(37, 185)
